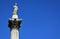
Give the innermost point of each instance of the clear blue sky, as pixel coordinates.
(41, 18)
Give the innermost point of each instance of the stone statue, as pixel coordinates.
(15, 8)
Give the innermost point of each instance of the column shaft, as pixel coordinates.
(14, 34)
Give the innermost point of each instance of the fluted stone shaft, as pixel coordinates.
(14, 34)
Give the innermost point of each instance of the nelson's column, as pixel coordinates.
(14, 24)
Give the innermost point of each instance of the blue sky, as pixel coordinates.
(41, 18)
